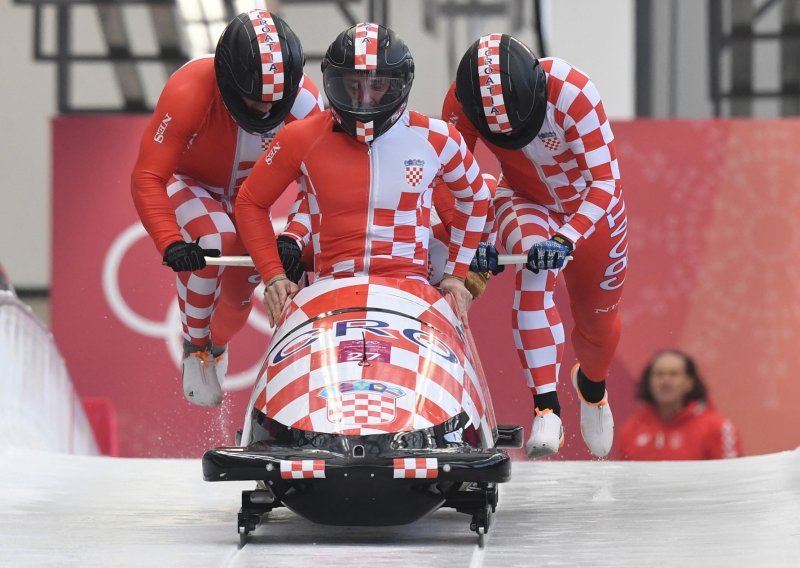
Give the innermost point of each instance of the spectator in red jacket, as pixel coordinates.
(676, 422)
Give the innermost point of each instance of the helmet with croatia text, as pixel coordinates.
(502, 89)
(259, 68)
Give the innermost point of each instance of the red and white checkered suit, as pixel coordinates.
(566, 180)
(192, 161)
(367, 217)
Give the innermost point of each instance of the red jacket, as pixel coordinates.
(697, 433)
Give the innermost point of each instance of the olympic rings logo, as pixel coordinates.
(170, 329)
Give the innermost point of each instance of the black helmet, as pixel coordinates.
(502, 88)
(259, 58)
(367, 74)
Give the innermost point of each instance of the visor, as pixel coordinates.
(365, 92)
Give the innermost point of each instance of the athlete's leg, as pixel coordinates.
(202, 217)
(536, 323)
(234, 304)
(595, 279)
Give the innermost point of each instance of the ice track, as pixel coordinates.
(62, 510)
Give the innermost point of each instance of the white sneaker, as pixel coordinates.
(200, 383)
(547, 434)
(597, 422)
(221, 361)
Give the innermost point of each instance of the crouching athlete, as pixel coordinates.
(367, 166)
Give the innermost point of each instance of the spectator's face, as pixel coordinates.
(669, 383)
(364, 90)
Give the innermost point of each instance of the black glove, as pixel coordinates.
(548, 254)
(485, 260)
(181, 256)
(290, 253)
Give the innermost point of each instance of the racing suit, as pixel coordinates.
(369, 204)
(566, 180)
(193, 158)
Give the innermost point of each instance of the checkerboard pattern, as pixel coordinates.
(463, 176)
(551, 143)
(366, 38)
(416, 468)
(302, 469)
(413, 175)
(367, 408)
(202, 214)
(536, 324)
(589, 157)
(364, 131)
(272, 78)
(494, 107)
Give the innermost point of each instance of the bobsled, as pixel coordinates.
(370, 408)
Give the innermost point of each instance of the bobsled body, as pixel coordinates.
(371, 408)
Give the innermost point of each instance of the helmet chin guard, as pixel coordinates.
(502, 88)
(367, 76)
(260, 59)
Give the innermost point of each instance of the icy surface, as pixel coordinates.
(62, 510)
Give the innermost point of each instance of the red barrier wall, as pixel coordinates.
(711, 223)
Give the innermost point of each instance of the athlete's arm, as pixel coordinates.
(589, 137)
(271, 175)
(463, 177)
(308, 103)
(180, 110)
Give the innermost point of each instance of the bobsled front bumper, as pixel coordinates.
(277, 464)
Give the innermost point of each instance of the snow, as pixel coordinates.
(67, 510)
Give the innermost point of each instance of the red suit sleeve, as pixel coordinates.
(453, 113)
(445, 204)
(443, 200)
(271, 175)
(182, 107)
(463, 177)
(298, 226)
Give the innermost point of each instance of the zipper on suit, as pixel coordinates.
(370, 208)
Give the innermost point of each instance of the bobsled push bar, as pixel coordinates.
(247, 261)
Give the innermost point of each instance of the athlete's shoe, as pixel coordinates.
(597, 422)
(220, 353)
(200, 383)
(547, 434)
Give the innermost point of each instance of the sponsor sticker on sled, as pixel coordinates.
(364, 350)
(416, 468)
(302, 469)
(361, 402)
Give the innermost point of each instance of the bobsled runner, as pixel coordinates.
(371, 408)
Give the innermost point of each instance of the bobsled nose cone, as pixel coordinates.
(200, 383)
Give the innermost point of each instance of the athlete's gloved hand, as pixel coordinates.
(290, 254)
(181, 256)
(485, 260)
(548, 254)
